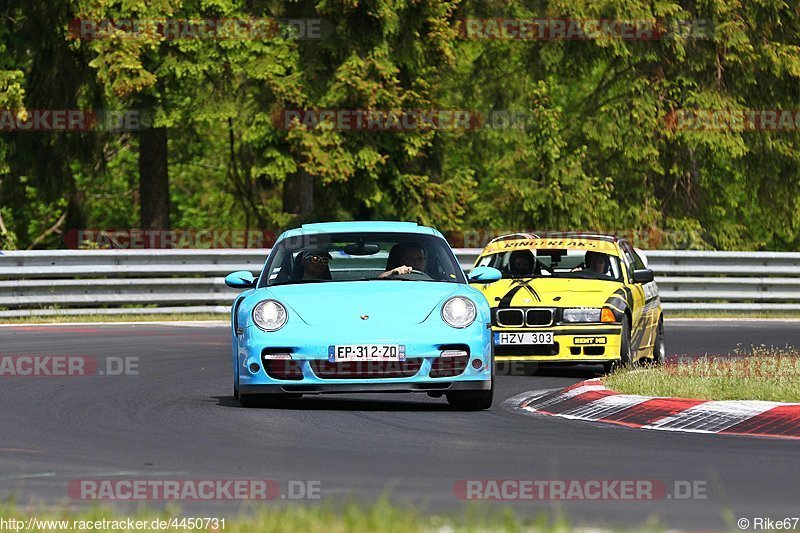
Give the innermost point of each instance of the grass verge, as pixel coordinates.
(380, 517)
(767, 374)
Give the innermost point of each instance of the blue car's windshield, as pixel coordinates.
(327, 257)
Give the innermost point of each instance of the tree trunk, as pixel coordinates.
(153, 179)
(298, 194)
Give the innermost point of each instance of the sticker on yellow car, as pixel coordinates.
(589, 340)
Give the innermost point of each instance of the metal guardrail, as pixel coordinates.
(727, 281)
(75, 282)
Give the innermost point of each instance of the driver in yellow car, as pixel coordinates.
(521, 263)
(403, 258)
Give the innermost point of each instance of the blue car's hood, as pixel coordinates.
(390, 302)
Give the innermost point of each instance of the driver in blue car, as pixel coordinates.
(404, 258)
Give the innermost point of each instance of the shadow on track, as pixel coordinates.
(533, 369)
(331, 403)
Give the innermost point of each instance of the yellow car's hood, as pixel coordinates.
(548, 292)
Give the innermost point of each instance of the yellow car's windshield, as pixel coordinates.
(555, 262)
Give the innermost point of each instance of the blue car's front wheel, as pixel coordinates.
(471, 400)
(477, 400)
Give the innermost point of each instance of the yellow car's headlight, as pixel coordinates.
(588, 315)
(581, 314)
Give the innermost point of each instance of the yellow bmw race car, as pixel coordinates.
(586, 299)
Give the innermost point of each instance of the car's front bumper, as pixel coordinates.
(421, 372)
(344, 388)
(573, 344)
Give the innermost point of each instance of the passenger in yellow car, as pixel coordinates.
(598, 262)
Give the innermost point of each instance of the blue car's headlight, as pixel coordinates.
(269, 315)
(459, 312)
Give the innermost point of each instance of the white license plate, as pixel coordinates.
(537, 337)
(342, 353)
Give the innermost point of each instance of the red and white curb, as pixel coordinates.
(591, 401)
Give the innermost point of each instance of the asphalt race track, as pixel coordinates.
(177, 419)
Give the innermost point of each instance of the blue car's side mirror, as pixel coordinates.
(240, 280)
(484, 274)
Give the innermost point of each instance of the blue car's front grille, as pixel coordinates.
(283, 369)
(367, 369)
(445, 367)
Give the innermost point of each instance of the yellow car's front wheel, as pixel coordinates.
(626, 359)
(660, 349)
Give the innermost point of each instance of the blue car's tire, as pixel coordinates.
(471, 400)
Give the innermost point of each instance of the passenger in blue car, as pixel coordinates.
(405, 257)
(312, 265)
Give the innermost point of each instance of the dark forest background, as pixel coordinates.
(596, 152)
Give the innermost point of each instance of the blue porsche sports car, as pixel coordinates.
(362, 307)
